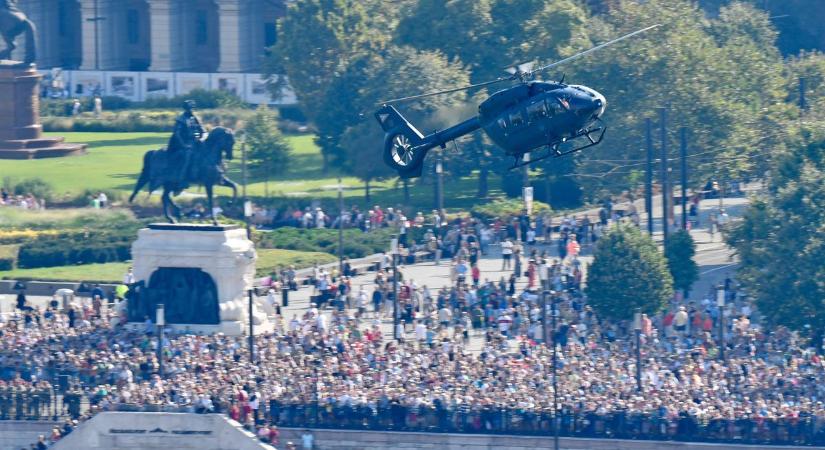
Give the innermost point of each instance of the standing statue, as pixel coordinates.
(189, 159)
(12, 23)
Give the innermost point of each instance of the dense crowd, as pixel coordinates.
(335, 355)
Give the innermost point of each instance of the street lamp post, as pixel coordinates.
(251, 330)
(160, 321)
(439, 171)
(247, 207)
(340, 228)
(637, 326)
(720, 302)
(555, 314)
(394, 253)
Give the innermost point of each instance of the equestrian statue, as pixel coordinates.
(12, 23)
(192, 157)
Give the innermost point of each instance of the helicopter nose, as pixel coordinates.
(599, 104)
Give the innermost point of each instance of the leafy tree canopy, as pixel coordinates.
(679, 252)
(628, 272)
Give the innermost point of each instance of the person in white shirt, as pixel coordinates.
(129, 278)
(506, 254)
(420, 332)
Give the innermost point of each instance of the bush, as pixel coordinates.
(144, 120)
(506, 208)
(77, 247)
(8, 256)
(34, 186)
(357, 244)
(204, 98)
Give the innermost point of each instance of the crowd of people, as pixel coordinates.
(27, 201)
(332, 365)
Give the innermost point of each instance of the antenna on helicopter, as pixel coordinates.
(522, 71)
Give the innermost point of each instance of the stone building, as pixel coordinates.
(204, 36)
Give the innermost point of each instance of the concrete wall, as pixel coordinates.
(161, 431)
(361, 440)
(20, 434)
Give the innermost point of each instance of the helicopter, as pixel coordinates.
(520, 119)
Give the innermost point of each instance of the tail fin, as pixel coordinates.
(404, 146)
(392, 120)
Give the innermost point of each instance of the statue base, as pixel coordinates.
(21, 135)
(202, 256)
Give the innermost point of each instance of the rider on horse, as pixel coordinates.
(186, 138)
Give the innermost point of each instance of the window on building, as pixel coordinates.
(133, 26)
(201, 28)
(270, 34)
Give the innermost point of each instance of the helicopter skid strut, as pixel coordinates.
(554, 151)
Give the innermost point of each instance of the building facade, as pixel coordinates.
(203, 36)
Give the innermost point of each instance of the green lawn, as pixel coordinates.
(268, 260)
(115, 159)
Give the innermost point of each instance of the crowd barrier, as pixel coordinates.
(805, 430)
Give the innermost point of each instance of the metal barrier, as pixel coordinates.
(806, 430)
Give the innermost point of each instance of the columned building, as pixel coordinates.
(225, 36)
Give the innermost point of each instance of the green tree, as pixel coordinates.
(781, 241)
(628, 272)
(679, 252)
(268, 152)
(399, 71)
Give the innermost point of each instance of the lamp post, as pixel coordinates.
(340, 228)
(251, 329)
(394, 252)
(555, 314)
(160, 321)
(720, 302)
(637, 326)
(439, 171)
(247, 206)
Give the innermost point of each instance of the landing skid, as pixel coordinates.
(553, 147)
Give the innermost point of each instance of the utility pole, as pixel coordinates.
(251, 330)
(637, 327)
(555, 313)
(683, 155)
(439, 172)
(394, 252)
(665, 202)
(649, 175)
(247, 210)
(340, 228)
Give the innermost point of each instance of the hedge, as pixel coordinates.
(144, 120)
(77, 247)
(357, 244)
(506, 208)
(8, 256)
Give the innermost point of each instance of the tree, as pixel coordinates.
(628, 272)
(781, 241)
(399, 71)
(268, 151)
(679, 252)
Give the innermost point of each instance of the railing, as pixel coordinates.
(807, 430)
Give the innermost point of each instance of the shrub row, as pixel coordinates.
(506, 208)
(356, 243)
(8, 256)
(204, 98)
(141, 120)
(77, 247)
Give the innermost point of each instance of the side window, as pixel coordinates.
(536, 111)
(502, 124)
(553, 106)
(517, 118)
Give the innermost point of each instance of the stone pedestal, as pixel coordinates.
(21, 135)
(223, 252)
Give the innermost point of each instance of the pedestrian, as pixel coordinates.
(506, 254)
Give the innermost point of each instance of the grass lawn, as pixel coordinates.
(268, 260)
(115, 159)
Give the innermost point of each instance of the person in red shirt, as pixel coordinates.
(476, 274)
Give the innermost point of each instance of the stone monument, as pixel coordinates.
(21, 135)
(201, 273)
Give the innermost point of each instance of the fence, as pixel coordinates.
(806, 430)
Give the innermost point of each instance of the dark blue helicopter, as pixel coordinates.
(524, 117)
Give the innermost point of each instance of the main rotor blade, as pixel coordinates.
(579, 55)
(448, 91)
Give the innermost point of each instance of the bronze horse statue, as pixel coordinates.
(12, 23)
(206, 168)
